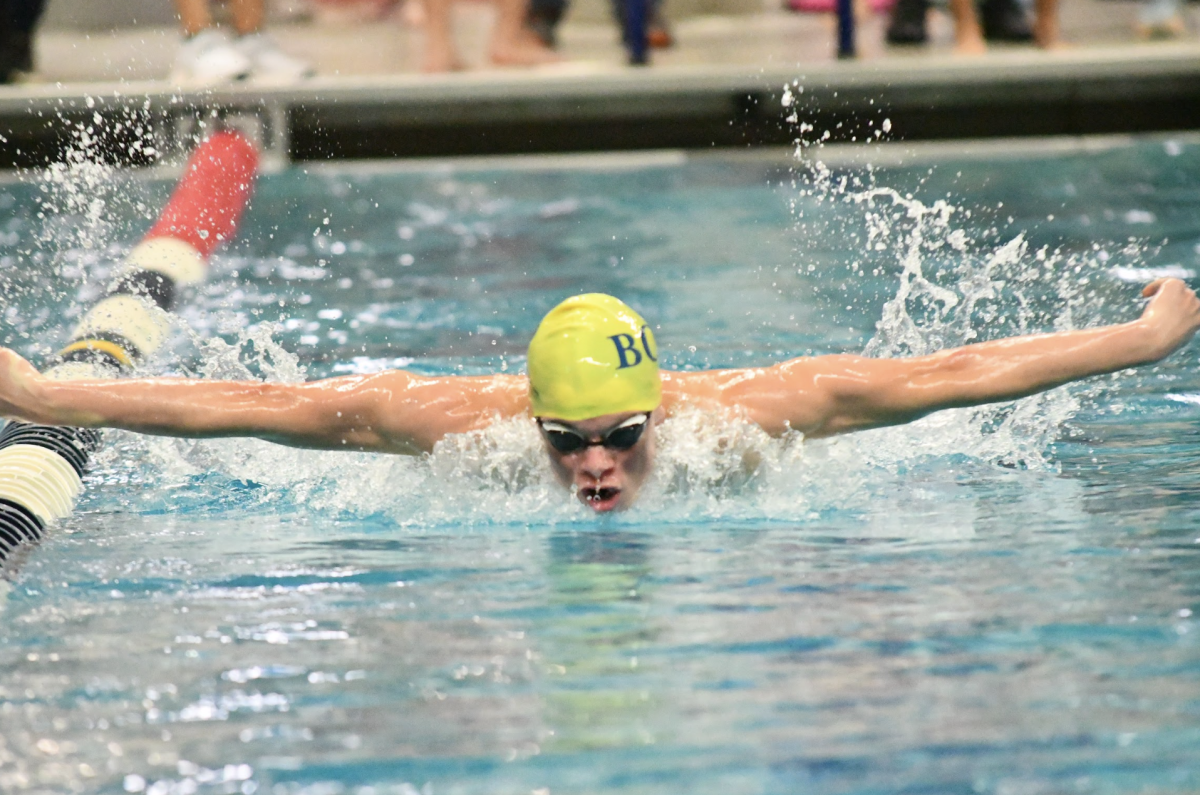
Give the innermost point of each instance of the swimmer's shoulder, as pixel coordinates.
(734, 383)
(780, 397)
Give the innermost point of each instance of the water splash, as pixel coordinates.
(952, 289)
(62, 255)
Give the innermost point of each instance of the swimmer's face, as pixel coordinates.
(604, 477)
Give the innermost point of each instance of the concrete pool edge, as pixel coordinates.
(885, 154)
(878, 154)
(1008, 94)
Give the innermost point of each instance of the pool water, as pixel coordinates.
(995, 600)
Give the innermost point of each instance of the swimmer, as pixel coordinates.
(596, 393)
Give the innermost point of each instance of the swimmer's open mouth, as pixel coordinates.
(602, 499)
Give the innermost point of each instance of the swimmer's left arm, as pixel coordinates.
(828, 395)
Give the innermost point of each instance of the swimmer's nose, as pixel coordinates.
(597, 462)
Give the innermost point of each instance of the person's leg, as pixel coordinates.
(512, 43)
(657, 33)
(968, 36)
(247, 16)
(1045, 27)
(25, 16)
(194, 15)
(440, 52)
(8, 55)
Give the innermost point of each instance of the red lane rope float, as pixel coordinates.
(41, 467)
(205, 208)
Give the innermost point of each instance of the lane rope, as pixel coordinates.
(42, 466)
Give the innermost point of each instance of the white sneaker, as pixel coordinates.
(209, 58)
(270, 64)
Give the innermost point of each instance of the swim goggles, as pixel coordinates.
(568, 440)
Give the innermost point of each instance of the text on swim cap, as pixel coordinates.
(628, 352)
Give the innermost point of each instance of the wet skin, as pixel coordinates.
(604, 479)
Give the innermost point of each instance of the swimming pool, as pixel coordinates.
(994, 601)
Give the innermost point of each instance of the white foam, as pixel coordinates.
(1132, 275)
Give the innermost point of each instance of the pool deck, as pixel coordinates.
(721, 86)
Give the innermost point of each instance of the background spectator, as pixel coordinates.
(1001, 20)
(18, 18)
(969, 33)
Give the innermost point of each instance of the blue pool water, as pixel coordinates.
(988, 601)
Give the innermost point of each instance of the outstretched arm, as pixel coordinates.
(826, 395)
(394, 412)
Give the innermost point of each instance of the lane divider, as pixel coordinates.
(42, 466)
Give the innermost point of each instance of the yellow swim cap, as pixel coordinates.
(592, 355)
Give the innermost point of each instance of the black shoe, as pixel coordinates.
(658, 35)
(542, 21)
(1005, 20)
(543, 29)
(907, 25)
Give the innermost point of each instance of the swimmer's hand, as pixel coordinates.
(20, 388)
(1172, 316)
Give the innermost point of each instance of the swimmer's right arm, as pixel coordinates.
(827, 395)
(392, 412)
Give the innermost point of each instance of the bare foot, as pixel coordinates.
(1045, 34)
(412, 13)
(524, 51)
(527, 36)
(968, 35)
(970, 45)
(440, 57)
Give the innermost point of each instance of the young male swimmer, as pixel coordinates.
(595, 391)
